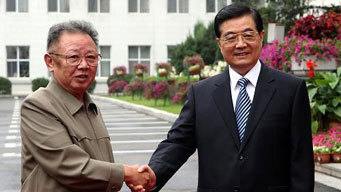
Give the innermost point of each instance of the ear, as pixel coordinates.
(49, 62)
(261, 34)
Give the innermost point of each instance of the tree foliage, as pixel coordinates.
(203, 42)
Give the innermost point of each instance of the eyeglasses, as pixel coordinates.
(232, 39)
(93, 59)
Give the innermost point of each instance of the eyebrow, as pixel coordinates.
(231, 32)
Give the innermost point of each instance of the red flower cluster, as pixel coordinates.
(325, 26)
(117, 86)
(160, 90)
(120, 71)
(310, 64)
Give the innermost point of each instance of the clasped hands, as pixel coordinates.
(139, 178)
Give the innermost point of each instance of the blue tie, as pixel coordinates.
(242, 107)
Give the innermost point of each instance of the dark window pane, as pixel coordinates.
(145, 52)
(23, 5)
(24, 52)
(11, 52)
(105, 68)
(210, 6)
(24, 69)
(183, 6)
(171, 6)
(10, 5)
(144, 6)
(52, 5)
(131, 67)
(105, 51)
(132, 6)
(105, 6)
(133, 52)
(64, 6)
(93, 6)
(221, 4)
(12, 69)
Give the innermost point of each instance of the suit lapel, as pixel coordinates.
(223, 100)
(263, 94)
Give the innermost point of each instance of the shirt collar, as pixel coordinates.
(70, 101)
(252, 75)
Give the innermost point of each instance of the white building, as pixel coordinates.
(130, 31)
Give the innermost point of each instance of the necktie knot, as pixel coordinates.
(243, 82)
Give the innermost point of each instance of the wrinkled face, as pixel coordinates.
(74, 79)
(240, 43)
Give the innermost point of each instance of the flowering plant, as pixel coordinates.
(160, 90)
(140, 69)
(117, 86)
(163, 69)
(335, 139)
(194, 64)
(328, 142)
(318, 27)
(311, 66)
(211, 70)
(120, 71)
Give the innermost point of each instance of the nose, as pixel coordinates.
(83, 64)
(240, 42)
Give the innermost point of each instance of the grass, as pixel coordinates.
(170, 107)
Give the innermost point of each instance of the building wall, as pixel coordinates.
(118, 29)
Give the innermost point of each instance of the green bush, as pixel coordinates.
(39, 82)
(5, 86)
(92, 86)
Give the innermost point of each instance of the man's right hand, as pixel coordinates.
(139, 179)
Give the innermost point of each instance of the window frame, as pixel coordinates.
(17, 7)
(99, 72)
(58, 7)
(139, 59)
(18, 60)
(99, 7)
(177, 6)
(139, 7)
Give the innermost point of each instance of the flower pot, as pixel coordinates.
(322, 65)
(162, 73)
(336, 157)
(322, 158)
(195, 69)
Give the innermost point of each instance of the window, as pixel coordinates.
(103, 69)
(104, 6)
(213, 6)
(18, 61)
(177, 6)
(138, 54)
(141, 6)
(169, 52)
(58, 6)
(17, 5)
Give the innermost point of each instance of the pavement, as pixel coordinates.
(328, 174)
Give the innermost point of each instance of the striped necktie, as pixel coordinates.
(242, 107)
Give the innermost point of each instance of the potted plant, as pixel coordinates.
(163, 69)
(335, 140)
(325, 99)
(193, 64)
(140, 69)
(321, 154)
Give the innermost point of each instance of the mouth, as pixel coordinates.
(82, 77)
(241, 54)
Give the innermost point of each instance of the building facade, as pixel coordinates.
(130, 31)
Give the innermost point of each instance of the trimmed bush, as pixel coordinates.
(5, 86)
(39, 82)
(92, 86)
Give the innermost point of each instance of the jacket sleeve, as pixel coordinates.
(301, 157)
(50, 145)
(180, 144)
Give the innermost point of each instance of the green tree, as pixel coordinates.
(203, 42)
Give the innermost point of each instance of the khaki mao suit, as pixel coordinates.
(65, 145)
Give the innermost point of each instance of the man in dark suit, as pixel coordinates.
(251, 134)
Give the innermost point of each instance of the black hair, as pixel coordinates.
(236, 10)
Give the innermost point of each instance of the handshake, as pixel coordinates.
(139, 178)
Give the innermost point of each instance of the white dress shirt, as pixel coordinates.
(252, 76)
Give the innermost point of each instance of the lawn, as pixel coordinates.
(170, 107)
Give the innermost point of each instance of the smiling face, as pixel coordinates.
(243, 54)
(74, 79)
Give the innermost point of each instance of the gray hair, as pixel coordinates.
(74, 26)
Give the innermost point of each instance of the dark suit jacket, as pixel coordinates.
(276, 154)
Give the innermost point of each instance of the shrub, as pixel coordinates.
(92, 86)
(5, 86)
(126, 78)
(39, 82)
(117, 86)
